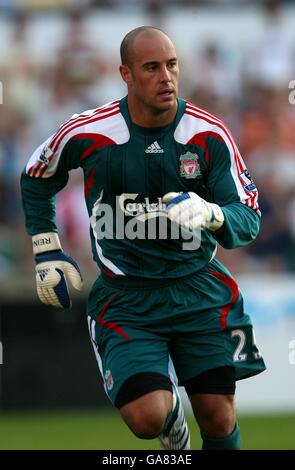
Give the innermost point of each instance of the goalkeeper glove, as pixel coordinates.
(53, 269)
(192, 212)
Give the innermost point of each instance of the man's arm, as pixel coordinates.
(241, 226)
(38, 198)
(45, 174)
(232, 188)
(231, 213)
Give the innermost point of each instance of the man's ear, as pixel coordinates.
(125, 73)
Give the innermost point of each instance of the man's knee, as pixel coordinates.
(217, 422)
(144, 401)
(215, 414)
(212, 398)
(147, 415)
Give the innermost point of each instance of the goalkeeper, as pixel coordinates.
(158, 166)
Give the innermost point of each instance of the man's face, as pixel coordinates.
(152, 78)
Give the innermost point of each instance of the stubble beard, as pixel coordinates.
(158, 109)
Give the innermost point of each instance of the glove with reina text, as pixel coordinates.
(53, 269)
(192, 212)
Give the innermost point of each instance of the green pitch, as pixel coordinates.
(104, 430)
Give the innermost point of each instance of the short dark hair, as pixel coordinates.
(127, 43)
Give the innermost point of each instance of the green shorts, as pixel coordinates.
(198, 321)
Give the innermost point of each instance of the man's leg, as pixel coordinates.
(217, 420)
(133, 359)
(146, 415)
(212, 397)
(158, 413)
(175, 434)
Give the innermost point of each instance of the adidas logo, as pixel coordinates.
(154, 148)
(43, 273)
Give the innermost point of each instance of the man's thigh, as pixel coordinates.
(216, 332)
(132, 355)
(234, 346)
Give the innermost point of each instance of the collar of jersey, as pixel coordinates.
(151, 130)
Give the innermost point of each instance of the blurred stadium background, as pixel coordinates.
(58, 57)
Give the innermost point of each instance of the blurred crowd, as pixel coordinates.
(149, 4)
(251, 95)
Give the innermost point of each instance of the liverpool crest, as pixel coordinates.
(108, 379)
(189, 165)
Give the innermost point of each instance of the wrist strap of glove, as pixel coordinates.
(216, 219)
(45, 242)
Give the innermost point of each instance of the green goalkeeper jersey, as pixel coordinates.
(127, 170)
